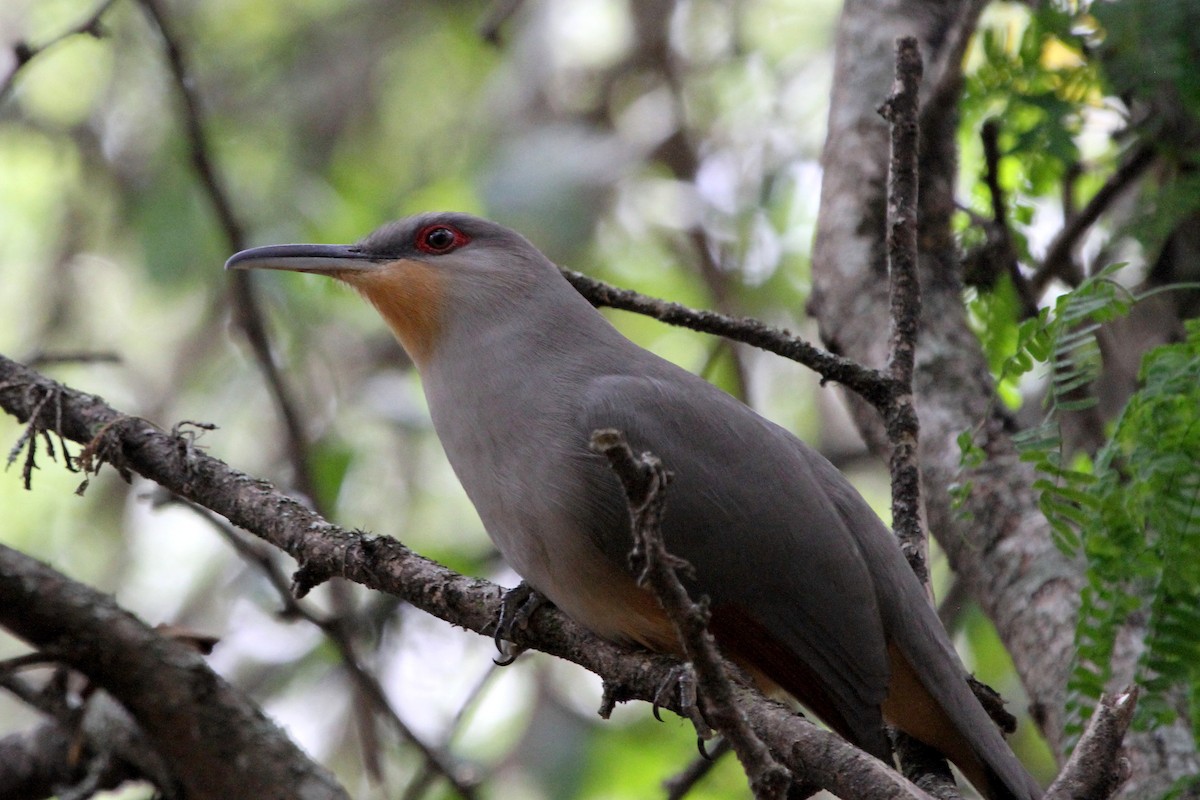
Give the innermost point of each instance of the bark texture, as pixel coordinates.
(323, 550)
(1001, 546)
(215, 742)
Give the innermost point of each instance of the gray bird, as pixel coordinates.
(808, 589)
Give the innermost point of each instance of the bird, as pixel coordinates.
(807, 588)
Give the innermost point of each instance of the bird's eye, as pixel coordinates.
(439, 239)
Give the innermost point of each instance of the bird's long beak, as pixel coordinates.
(321, 259)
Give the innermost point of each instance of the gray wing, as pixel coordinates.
(912, 625)
(769, 547)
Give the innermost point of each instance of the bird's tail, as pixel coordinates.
(943, 712)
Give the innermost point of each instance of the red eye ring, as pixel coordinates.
(440, 238)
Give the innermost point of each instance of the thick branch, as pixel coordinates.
(324, 550)
(1096, 770)
(36, 764)
(217, 743)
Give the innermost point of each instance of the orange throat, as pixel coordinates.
(408, 295)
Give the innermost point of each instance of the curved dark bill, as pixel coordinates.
(318, 258)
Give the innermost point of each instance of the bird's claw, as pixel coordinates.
(681, 682)
(516, 607)
(508, 653)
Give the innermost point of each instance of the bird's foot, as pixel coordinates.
(516, 607)
(680, 685)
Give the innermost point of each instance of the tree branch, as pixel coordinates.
(1060, 260)
(997, 256)
(645, 482)
(497, 15)
(23, 52)
(998, 543)
(257, 554)
(324, 550)
(197, 721)
(247, 309)
(919, 762)
(106, 743)
(1095, 770)
(900, 420)
(872, 385)
(678, 786)
(38, 763)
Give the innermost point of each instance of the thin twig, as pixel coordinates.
(1001, 255)
(872, 385)
(901, 421)
(989, 136)
(262, 559)
(23, 52)
(193, 122)
(645, 481)
(953, 603)
(679, 785)
(919, 762)
(382, 563)
(1070, 178)
(680, 155)
(51, 703)
(500, 12)
(43, 358)
(955, 31)
(27, 661)
(247, 311)
(420, 783)
(1060, 261)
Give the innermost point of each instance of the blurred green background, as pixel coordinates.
(671, 147)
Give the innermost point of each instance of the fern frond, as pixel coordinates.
(1134, 513)
(1143, 542)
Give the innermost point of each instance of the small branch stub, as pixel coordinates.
(1096, 769)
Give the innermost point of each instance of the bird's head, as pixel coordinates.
(422, 272)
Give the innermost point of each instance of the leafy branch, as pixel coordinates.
(1134, 512)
